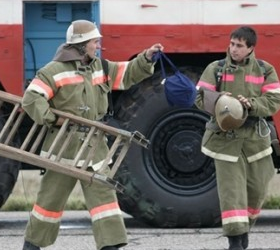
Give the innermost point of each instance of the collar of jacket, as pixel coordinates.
(246, 60)
(66, 53)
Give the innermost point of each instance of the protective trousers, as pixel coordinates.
(107, 221)
(242, 188)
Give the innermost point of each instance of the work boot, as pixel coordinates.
(235, 242)
(29, 246)
(245, 240)
(109, 248)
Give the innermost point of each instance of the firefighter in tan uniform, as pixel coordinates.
(239, 138)
(74, 82)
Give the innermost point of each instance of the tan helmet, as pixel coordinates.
(230, 114)
(81, 31)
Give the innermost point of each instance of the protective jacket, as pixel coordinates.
(263, 92)
(67, 85)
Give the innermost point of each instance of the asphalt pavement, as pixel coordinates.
(75, 234)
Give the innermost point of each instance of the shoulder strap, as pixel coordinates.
(261, 63)
(219, 73)
(110, 99)
(105, 67)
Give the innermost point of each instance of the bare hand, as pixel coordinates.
(153, 49)
(244, 101)
(226, 93)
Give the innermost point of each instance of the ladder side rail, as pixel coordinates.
(108, 181)
(118, 161)
(36, 160)
(140, 139)
(61, 132)
(10, 98)
(9, 122)
(90, 123)
(15, 128)
(39, 138)
(66, 143)
(90, 154)
(29, 136)
(84, 146)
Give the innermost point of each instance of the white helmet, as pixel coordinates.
(81, 31)
(230, 113)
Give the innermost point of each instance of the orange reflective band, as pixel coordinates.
(119, 78)
(104, 208)
(271, 87)
(69, 80)
(47, 213)
(105, 211)
(100, 80)
(40, 87)
(235, 216)
(206, 85)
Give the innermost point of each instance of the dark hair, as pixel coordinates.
(247, 34)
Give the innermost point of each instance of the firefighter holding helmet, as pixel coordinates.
(74, 82)
(239, 93)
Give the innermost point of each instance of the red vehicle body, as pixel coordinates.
(173, 183)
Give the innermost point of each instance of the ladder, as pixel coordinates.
(27, 150)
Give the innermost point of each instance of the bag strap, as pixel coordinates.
(161, 56)
(105, 67)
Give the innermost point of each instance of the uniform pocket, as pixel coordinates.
(103, 90)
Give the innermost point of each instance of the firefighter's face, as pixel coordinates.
(92, 46)
(239, 50)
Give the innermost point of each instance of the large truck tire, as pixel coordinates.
(9, 170)
(171, 184)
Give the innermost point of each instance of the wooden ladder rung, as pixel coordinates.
(60, 134)
(66, 143)
(84, 146)
(29, 136)
(119, 159)
(97, 137)
(9, 123)
(14, 128)
(39, 139)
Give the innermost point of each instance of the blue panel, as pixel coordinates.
(95, 17)
(95, 13)
(64, 12)
(45, 26)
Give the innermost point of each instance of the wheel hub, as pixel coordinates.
(183, 148)
(175, 160)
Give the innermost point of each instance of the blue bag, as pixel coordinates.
(180, 91)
